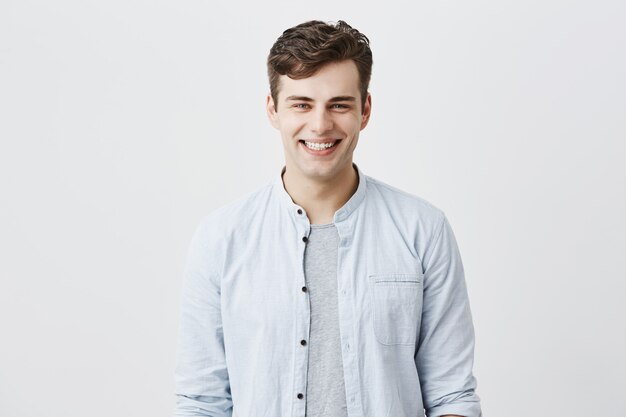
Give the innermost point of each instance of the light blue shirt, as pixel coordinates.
(407, 338)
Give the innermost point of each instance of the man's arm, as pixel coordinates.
(201, 377)
(445, 354)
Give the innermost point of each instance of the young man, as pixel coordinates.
(324, 293)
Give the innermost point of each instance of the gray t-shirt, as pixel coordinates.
(325, 391)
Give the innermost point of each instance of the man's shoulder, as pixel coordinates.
(403, 202)
(235, 212)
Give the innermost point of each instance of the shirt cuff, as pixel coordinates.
(465, 409)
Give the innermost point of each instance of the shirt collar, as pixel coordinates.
(341, 214)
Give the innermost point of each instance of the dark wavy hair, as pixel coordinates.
(303, 49)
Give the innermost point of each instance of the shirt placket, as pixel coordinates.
(302, 317)
(346, 299)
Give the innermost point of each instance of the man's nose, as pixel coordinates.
(321, 121)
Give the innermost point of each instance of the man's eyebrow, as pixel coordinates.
(332, 100)
(298, 98)
(343, 98)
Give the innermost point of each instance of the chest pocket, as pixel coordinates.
(397, 305)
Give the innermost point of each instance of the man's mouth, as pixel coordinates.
(320, 146)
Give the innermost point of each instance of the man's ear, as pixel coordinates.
(367, 111)
(270, 108)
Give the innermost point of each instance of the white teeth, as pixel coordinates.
(319, 146)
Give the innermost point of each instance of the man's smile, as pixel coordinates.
(320, 148)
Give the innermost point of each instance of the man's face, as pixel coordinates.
(323, 108)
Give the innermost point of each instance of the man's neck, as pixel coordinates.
(321, 200)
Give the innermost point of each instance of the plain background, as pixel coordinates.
(122, 123)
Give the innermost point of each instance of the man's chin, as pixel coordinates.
(321, 171)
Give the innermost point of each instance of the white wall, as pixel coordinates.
(123, 122)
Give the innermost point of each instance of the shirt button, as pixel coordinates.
(305, 239)
(299, 211)
(304, 289)
(300, 396)
(303, 342)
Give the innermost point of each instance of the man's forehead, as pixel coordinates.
(315, 91)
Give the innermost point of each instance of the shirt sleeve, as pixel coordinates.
(201, 376)
(445, 353)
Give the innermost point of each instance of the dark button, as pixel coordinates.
(300, 396)
(304, 289)
(299, 211)
(303, 342)
(305, 239)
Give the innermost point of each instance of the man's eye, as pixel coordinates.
(301, 106)
(339, 106)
